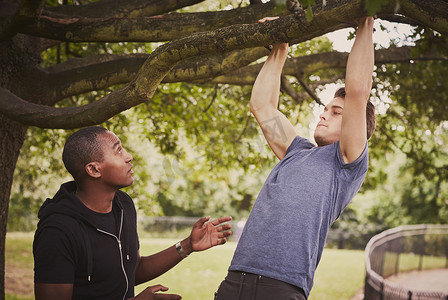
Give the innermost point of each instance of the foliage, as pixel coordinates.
(374, 6)
(415, 123)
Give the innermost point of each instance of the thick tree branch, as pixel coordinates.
(112, 29)
(432, 14)
(307, 65)
(103, 108)
(399, 19)
(144, 29)
(113, 8)
(82, 75)
(209, 66)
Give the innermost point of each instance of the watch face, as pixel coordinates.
(180, 250)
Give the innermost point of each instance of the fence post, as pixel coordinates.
(381, 290)
(400, 248)
(422, 252)
(365, 285)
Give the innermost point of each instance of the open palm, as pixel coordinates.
(205, 235)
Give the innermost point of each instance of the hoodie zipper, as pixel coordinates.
(121, 252)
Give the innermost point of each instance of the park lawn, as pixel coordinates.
(339, 275)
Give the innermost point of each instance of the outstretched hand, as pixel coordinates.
(150, 293)
(205, 235)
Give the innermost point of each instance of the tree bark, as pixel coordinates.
(150, 28)
(17, 56)
(11, 140)
(113, 8)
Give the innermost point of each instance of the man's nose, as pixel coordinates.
(128, 156)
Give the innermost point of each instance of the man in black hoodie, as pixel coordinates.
(86, 244)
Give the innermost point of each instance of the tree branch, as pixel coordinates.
(287, 88)
(50, 117)
(113, 8)
(143, 29)
(82, 75)
(215, 95)
(432, 14)
(309, 91)
(209, 66)
(298, 66)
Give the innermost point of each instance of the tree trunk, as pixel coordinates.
(17, 56)
(11, 140)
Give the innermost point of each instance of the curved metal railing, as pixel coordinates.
(401, 249)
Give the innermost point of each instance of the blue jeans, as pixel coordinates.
(247, 286)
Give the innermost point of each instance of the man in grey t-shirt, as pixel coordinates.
(284, 237)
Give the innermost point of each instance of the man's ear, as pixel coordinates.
(93, 170)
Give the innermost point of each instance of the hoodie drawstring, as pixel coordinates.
(88, 250)
(125, 242)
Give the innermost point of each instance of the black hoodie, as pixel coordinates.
(71, 246)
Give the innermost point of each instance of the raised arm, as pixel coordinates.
(358, 83)
(276, 128)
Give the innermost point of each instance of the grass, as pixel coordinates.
(339, 275)
(410, 261)
(19, 266)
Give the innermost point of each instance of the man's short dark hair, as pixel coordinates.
(370, 112)
(81, 148)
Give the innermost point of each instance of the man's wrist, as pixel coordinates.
(180, 250)
(184, 248)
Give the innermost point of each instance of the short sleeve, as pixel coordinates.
(356, 169)
(299, 143)
(53, 257)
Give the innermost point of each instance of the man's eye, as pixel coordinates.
(119, 150)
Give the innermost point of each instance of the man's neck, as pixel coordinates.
(95, 198)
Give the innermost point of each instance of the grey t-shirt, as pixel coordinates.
(303, 195)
